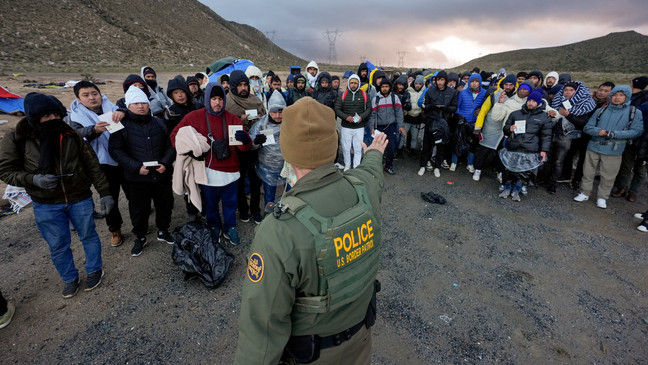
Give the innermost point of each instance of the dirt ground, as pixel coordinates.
(478, 280)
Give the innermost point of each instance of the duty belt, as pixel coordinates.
(339, 338)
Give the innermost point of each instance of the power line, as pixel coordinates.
(271, 35)
(401, 58)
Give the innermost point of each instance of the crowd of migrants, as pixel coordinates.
(217, 144)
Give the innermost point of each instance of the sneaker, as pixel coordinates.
(164, 236)
(642, 227)
(428, 166)
(601, 203)
(244, 217)
(499, 177)
(564, 180)
(97, 215)
(444, 165)
(389, 170)
(639, 215)
(257, 218)
(515, 196)
(581, 197)
(501, 187)
(524, 190)
(339, 165)
(505, 193)
(477, 175)
(6, 318)
(93, 280)
(140, 242)
(116, 239)
(346, 168)
(421, 171)
(470, 168)
(437, 173)
(70, 289)
(232, 236)
(453, 167)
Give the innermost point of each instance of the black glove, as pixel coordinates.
(106, 204)
(610, 135)
(260, 139)
(47, 181)
(242, 137)
(199, 158)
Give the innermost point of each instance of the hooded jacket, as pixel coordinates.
(613, 118)
(156, 107)
(237, 104)
(178, 111)
(198, 120)
(439, 103)
(363, 66)
(311, 81)
(295, 94)
(353, 103)
(537, 137)
(270, 161)
(582, 105)
(556, 77)
(404, 95)
(20, 154)
(256, 86)
(325, 95)
(386, 110)
(415, 96)
(468, 102)
(158, 95)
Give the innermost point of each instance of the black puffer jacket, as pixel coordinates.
(327, 95)
(440, 103)
(144, 138)
(538, 133)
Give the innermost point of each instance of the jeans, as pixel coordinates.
(248, 160)
(471, 158)
(412, 126)
(351, 139)
(630, 167)
(391, 131)
(213, 196)
(116, 181)
(140, 205)
(560, 145)
(269, 192)
(53, 223)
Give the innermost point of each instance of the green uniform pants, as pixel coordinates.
(355, 351)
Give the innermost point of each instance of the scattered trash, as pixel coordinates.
(17, 196)
(454, 284)
(445, 319)
(3, 122)
(431, 197)
(603, 348)
(449, 183)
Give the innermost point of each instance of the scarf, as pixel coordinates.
(49, 135)
(86, 117)
(582, 102)
(238, 105)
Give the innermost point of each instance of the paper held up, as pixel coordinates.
(231, 132)
(112, 127)
(270, 139)
(520, 126)
(252, 114)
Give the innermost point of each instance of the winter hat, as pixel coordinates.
(270, 73)
(308, 136)
(564, 78)
(521, 74)
(335, 77)
(536, 95)
(133, 79)
(419, 80)
(135, 95)
(192, 80)
(509, 79)
(290, 77)
(535, 73)
(442, 75)
(640, 82)
(148, 70)
(452, 76)
(38, 105)
(573, 85)
(276, 103)
(556, 89)
(525, 85)
(223, 78)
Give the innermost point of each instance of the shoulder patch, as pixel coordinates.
(255, 268)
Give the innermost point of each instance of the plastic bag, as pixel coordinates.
(195, 252)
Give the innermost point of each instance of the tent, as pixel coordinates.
(10, 102)
(226, 66)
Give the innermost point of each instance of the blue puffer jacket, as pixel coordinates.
(614, 119)
(466, 104)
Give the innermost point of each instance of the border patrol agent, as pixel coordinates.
(309, 295)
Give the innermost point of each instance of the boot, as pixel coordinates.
(116, 238)
(618, 192)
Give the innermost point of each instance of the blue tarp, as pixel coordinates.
(241, 64)
(10, 105)
(370, 66)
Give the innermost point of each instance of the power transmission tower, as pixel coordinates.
(401, 57)
(271, 35)
(332, 36)
(363, 59)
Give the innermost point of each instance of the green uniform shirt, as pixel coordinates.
(283, 266)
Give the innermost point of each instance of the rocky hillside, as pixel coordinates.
(616, 52)
(97, 35)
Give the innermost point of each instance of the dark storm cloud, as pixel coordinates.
(473, 27)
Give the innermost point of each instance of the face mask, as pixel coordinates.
(255, 86)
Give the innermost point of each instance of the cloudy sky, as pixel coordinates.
(433, 33)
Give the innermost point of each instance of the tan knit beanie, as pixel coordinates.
(308, 137)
